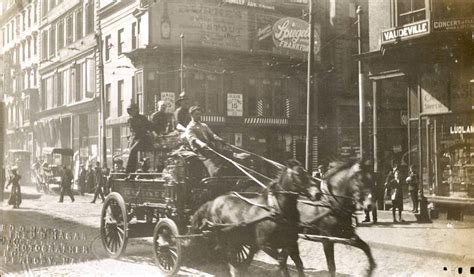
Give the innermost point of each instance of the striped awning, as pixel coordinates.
(265, 121)
(213, 119)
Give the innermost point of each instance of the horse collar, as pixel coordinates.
(272, 202)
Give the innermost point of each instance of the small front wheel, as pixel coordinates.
(166, 247)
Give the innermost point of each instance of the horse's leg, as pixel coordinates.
(359, 243)
(329, 252)
(295, 256)
(282, 262)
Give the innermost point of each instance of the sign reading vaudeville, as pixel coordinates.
(293, 33)
(406, 32)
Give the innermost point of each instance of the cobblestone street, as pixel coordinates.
(82, 217)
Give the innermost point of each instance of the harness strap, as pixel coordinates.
(248, 201)
(238, 166)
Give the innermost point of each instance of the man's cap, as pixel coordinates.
(132, 106)
(321, 167)
(193, 109)
(117, 161)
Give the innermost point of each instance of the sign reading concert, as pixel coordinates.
(293, 33)
(406, 32)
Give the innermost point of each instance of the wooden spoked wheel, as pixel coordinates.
(113, 225)
(167, 248)
(244, 256)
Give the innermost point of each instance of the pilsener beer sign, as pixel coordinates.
(406, 32)
(293, 33)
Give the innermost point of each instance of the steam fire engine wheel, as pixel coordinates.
(114, 225)
(166, 247)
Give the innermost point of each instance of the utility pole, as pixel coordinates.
(309, 100)
(181, 68)
(98, 37)
(361, 86)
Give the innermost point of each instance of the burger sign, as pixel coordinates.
(293, 33)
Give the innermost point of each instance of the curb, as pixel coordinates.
(421, 251)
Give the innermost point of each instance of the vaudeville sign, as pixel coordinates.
(406, 31)
(293, 33)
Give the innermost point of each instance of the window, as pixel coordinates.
(120, 42)
(120, 98)
(23, 51)
(60, 34)
(44, 8)
(52, 40)
(134, 35)
(34, 44)
(251, 98)
(13, 30)
(79, 24)
(409, 11)
(212, 94)
(107, 101)
(23, 20)
(44, 45)
(29, 17)
(60, 89)
(90, 17)
(69, 30)
(78, 82)
(107, 47)
(29, 48)
(139, 90)
(90, 78)
(35, 15)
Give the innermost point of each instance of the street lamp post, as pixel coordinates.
(98, 38)
(181, 68)
(361, 86)
(309, 100)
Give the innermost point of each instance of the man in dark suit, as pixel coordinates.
(99, 183)
(160, 119)
(181, 114)
(66, 182)
(140, 139)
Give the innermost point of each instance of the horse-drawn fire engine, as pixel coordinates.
(172, 205)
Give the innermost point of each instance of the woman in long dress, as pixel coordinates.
(15, 195)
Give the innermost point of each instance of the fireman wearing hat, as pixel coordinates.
(200, 137)
(140, 127)
(181, 114)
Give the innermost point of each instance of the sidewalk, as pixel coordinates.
(441, 238)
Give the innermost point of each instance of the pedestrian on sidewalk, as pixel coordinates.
(395, 189)
(15, 194)
(82, 179)
(99, 183)
(90, 179)
(66, 183)
(412, 181)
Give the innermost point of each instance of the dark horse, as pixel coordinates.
(267, 221)
(344, 187)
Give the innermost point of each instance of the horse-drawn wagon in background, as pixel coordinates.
(48, 174)
(181, 204)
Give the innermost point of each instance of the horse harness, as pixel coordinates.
(272, 207)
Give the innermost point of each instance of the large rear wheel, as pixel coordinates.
(113, 225)
(166, 247)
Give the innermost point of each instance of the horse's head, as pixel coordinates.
(293, 178)
(350, 181)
